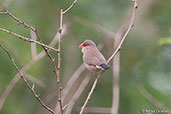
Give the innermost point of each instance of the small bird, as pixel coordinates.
(92, 57)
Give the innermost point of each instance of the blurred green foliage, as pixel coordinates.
(144, 58)
(165, 41)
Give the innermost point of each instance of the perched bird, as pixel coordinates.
(93, 59)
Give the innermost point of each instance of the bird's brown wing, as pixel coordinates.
(91, 60)
(94, 58)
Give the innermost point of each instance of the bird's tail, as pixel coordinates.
(105, 66)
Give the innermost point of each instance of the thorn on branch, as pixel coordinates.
(65, 107)
(33, 86)
(38, 95)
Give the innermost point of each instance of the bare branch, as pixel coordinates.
(115, 52)
(70, 83)
(16, 78)
(28, 39)
(69, 7)
(59, 63)
(3, 13)
(51, 58)
(19, 21)
(27, 84)
(49, 55)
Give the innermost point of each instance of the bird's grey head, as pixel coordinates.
(87, 45)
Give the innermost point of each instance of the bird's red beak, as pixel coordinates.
(81, 46)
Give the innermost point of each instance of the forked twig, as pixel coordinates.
(44, 47)
(59, 63)
(31, 88)
(69, 7)
(115, 52)
(25, 25)
(62, 13)
(16, 78)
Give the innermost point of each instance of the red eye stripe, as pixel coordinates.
(85, 45)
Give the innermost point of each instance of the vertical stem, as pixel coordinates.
(59, 62)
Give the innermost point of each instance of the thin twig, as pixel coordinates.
(19, 21)
(27, 39)
(3, 13)
(59, 63)
(69, 7)
(115, 52)
(27, 84)
(70, 83)
(55, 69)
